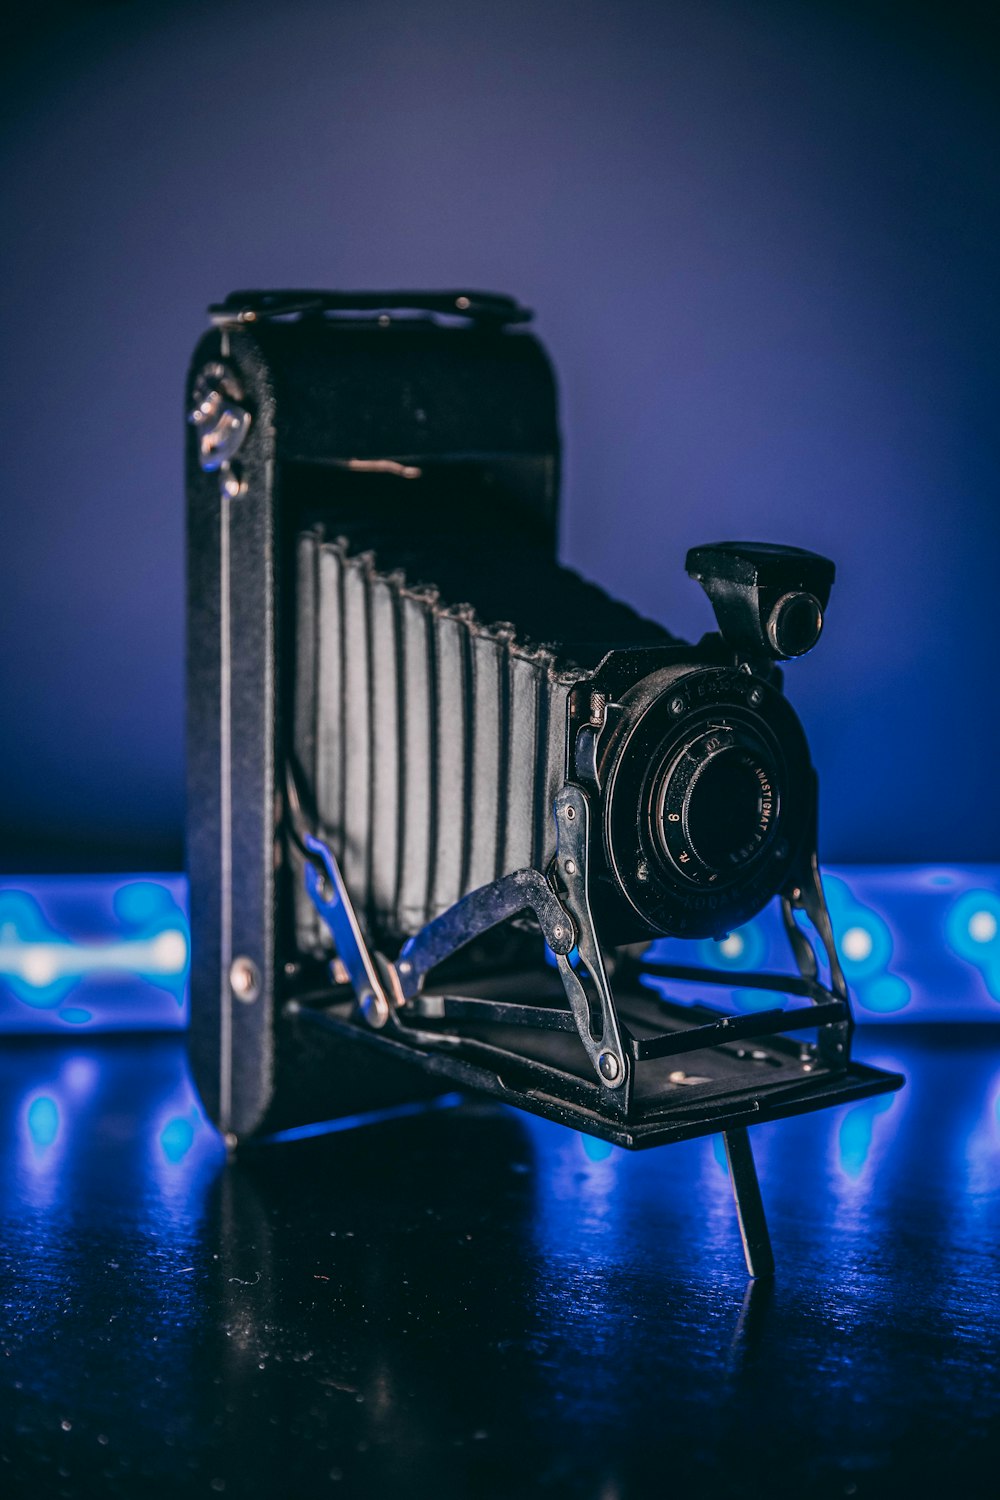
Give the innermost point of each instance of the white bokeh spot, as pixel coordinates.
(982, 927)
(856, 944)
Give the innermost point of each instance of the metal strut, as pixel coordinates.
(383, 988)
(392, 995)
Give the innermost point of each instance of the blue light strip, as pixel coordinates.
(917, 943)
(93, 953)
(110, 953)
(355, 1122)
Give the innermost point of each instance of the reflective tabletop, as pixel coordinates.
(463, 1300)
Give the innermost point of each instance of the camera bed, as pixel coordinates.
(745, 1082)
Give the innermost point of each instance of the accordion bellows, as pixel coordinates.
(431, 737)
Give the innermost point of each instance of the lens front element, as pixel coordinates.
(708, 797)
(717, 804)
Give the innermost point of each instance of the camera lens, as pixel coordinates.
(723, 809)
(716, 803)
(707, 782)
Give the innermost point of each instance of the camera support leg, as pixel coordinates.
(749, 1205)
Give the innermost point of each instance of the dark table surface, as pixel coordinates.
(466, 1301)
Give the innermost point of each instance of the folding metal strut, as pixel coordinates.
(392, 994)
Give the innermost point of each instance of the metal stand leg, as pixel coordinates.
(749, 1207)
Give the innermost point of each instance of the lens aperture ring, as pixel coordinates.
(712, 764)
(716, 804)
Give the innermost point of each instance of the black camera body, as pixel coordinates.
(422, 754)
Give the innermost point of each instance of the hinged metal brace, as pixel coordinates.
(391, 994)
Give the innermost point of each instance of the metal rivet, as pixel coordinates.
(244, 979)
(375, 1010)
(609, 1066)
(571, 813)
(463, 303)
(569, 866)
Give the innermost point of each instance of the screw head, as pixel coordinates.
(677, 705)
(609, 1065)
(244, 979)
(755, 697)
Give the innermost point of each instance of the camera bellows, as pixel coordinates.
(435, 743)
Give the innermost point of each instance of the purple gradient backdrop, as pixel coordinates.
(761, 241)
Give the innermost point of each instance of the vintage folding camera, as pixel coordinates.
(443, 793)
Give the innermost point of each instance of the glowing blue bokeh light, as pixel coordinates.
(104, 953)
(972, 929)
(93, 953)
(177, 1137)
(918, 942)
(857, 1131)
(42, 1119)
(594, 1149)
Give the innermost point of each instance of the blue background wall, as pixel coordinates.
(761, 240)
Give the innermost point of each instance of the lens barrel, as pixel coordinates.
(717, 804)
(708, 795)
